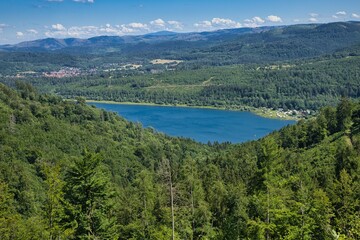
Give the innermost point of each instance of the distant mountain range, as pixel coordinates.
(222, 47)
(51, 44)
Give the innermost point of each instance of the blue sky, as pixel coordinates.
(22, 20)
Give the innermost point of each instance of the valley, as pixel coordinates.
(292, 83)
(121, 137)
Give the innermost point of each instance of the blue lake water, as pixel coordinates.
(202, 125)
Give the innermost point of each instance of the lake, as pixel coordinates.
(200, 124)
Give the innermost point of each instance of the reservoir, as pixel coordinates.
(200, 124)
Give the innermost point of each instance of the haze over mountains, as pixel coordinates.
(156, 37)
(328, 37)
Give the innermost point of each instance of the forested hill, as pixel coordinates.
(296, 85)
(299, 67)
(71, 171)
(222, 47)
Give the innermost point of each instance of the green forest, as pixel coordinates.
(295, 85)
(299, 67)
(71, 171)
(309, 84)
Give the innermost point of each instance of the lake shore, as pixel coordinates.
(263, 112)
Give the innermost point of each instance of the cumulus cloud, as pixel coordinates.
(74, 31)
(175, 24)
(258, 20)
(354, 15)
(132, 28)
(203, 24)
(224, 22)
(273, 18)
(254, 22)
(313, 19)
(218, 23)
(313, 15)
(19, 34)
(339, 14)
(155, 25)
(109, 30)
(137, 25)
(343, 13)
(58, 30)
(158, 22)
(54, 0)
(124, 29)
(83, 31)
(58, 27)
(32, 31)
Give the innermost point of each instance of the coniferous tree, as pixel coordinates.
(55, 204)
(89, 193)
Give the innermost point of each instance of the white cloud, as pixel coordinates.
(58, 30)
(313, 15)
(121, 29)
(249, 23)
(54, 0)
(258, 20)
(354, 15)
(273, 18)
(19, 34)
(125, 29)
(84, 31)
(343, 13)
(74, 31)
(137, 25)
(313, 19)
(32, 31)
(254, 22)
(84, 1)
(158, 22)
(58, 27)
(224, 22)
(110, 30)
(132, 28)
(175, 24)
(218, 23)
(339, 14)
(203, 24)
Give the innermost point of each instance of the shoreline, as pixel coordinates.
(272, 114)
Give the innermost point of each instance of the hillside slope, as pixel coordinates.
(70, 171)
(309, 84)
